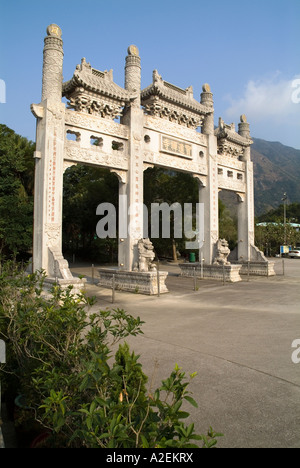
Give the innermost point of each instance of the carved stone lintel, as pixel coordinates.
(230, 149)
(96, 123)
(94, 106)
(173, 114)
(95, 156)
(171, 161)
(173, 129)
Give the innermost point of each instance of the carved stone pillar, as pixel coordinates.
(123, 260)
(246, 201)
(133, 74)
(48, 183)
(246, 217)
(52, 64)
(207, 100)
(49, 163)
(134, 119)
(209, 196)
(244, 131)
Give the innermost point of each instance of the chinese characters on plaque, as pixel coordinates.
(169, 145)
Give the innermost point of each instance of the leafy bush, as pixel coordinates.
(61, 354)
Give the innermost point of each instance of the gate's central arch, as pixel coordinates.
(158, 126)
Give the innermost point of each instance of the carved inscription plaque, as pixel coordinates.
(177, 147)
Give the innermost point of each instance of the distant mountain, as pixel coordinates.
(276, 170)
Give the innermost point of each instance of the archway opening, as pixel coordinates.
(174, 189)
(228, 218)
(84, 188)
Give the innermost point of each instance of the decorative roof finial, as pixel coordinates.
(54, 30)
(133, 50)
(206, 88)
(156, 76)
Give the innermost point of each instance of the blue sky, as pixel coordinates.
(249, 53)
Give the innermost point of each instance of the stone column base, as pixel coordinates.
(229, 273)
(76, 283)
(134, 281)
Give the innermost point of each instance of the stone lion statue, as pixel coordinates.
(223, 252)
(146, 255)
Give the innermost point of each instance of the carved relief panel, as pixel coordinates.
(170, 145)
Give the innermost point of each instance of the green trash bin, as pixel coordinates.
(192, 257)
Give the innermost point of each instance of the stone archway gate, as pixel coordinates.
(159, 125)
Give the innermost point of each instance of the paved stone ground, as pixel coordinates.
(238, 338)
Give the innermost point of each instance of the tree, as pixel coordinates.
(292, 214)
(270, 237)
(270, 234)
(84, 189)
(16, 192)
(227, 225)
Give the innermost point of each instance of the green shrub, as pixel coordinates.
(62, 356)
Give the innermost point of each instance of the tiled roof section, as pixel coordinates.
(228, 132)
(173, 94)
(95, 81)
